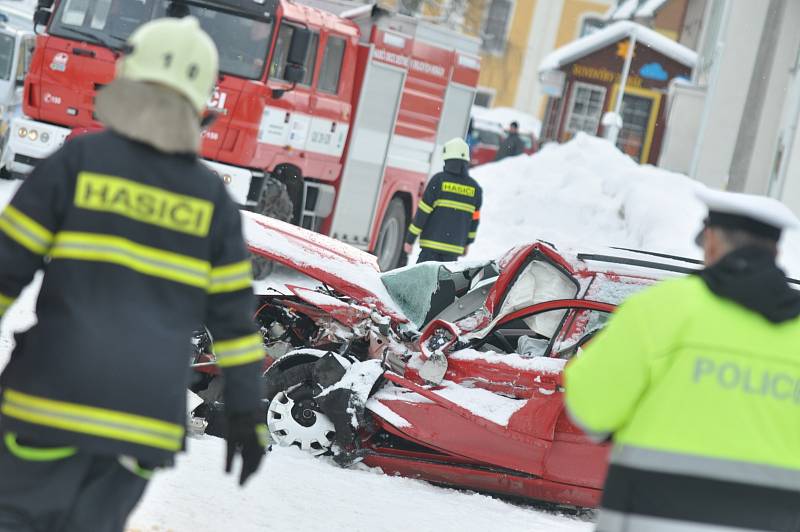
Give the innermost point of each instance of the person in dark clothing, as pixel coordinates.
(512, 145)
(449, 212)
(139, 243)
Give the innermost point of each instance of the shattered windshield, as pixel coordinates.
(243, 42)
(6, 56)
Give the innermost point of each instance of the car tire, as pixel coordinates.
(274, 202)
(391, 236)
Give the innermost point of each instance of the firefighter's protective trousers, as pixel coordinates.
(138, 248)
(702, 397)
(64, 490)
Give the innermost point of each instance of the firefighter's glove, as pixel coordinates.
(247, 436)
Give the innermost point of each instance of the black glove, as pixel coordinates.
(248, 436)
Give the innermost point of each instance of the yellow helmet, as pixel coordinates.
(176, 53)
(456, 148)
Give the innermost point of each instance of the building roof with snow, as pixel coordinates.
(615, 33)
(635, 9)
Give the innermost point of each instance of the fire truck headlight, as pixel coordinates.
(22, 132)
(45, 137)
(33, 135)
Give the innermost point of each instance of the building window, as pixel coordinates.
(484, 98)
(635, 119)
(586, 108)
(590, 25)
(495, 26)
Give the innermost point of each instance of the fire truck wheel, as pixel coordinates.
(389, 248)
(275, 203)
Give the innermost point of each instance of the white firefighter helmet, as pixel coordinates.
(176, 53)
(456, 148)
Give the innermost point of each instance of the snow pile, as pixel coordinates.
(585, 194)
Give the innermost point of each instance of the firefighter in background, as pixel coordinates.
(450, 209)
(698, 381)
(139, 242)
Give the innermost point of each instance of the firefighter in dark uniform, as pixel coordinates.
(450, 209)
(698, 381)
(139, 243)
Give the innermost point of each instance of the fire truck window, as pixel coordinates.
(6, 56)
(242, 42)
(311, 59)
(331, 65)
(104, 18)
(281, 52)
(74, 12)
(278, 67)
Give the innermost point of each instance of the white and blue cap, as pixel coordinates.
(759, 215)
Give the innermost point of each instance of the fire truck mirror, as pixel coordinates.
(41, 17)
(298, 49)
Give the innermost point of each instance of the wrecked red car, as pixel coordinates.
(449, 373)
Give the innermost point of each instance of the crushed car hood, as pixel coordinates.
(346, 269)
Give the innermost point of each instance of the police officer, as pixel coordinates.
(139, 242)
(698, 382)
(450, 209)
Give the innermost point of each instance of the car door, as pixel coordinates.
(574, 458)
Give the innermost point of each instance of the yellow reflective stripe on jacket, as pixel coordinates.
(441, 246)
(472, 234)
(457, 205)
(5, 302)
(144, 203)
(231, 277)
(424, 207)
(140, 258)
(92, 420)
(414, 230)
(36, 454)
(25, 231)
(238, 351)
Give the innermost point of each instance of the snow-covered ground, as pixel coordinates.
(582, 194)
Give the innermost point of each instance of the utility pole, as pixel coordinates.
(612, 121)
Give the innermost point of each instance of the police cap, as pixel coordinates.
(758, 215)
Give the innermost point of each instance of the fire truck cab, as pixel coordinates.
(331, 121)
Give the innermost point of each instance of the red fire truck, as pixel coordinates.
(333, 121)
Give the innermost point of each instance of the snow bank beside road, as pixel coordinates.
(586, 194)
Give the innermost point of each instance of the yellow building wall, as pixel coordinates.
(574, 10)
(501, 72)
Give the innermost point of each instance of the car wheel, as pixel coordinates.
(294, 417)
(389, 248)
(275, 203)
